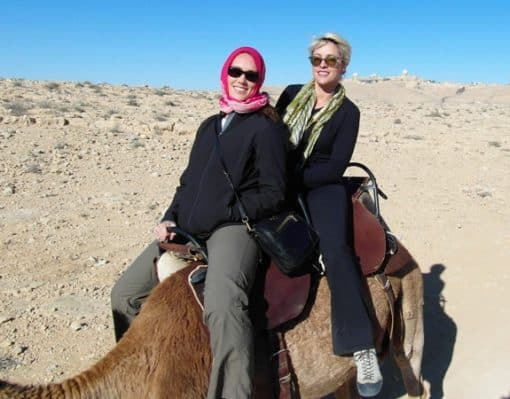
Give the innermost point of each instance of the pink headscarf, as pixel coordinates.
(257, 100)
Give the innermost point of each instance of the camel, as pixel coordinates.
(165, 354)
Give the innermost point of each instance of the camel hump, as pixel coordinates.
(168, 264)
(176, 257)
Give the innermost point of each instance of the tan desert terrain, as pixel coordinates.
(86, 171)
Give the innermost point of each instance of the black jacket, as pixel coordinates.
(333, 150)
(253, 149)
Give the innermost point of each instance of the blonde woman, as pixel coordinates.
(323, 126)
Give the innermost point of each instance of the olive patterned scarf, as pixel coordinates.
(298, 116)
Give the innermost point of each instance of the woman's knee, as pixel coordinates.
(136, 282)
(124, 300)
(226, 302)
(220, 319)
(118, 298)
(127, 305)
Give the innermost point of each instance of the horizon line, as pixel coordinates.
(355, 77)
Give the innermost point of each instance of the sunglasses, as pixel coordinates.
(331, 60)
(251, 76)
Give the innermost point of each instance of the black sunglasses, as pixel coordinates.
(250, 76)
(331, 60)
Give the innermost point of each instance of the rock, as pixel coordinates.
(100, 262)
(5, 318)
(19, 349)
(61, 121)
(484, 193)
(33, 168)
(10, 120)
(135, 143)
(78, 325)
(8, 190)
(7, 363)
(6, 344)
(27, 120)
(6, 134)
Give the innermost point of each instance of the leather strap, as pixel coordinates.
(383, 280)
(188, 252)
(283, 361)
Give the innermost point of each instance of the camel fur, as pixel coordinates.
(165, 354)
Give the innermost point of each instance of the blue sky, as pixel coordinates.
(182, 44)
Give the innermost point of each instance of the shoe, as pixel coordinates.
(369, 378)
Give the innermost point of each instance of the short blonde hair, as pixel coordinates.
(343, 46)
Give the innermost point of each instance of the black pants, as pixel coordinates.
(330, 211)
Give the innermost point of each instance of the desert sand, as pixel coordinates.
(87, 169)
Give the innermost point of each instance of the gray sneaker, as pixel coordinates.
(369, 378)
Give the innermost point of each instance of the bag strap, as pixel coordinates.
(242, 211)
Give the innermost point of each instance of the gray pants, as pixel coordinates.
(132, 288)
(233, 260)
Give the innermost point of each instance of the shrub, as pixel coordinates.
(18, 108)
(52, 86)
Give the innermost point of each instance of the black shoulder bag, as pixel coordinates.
(286, 238)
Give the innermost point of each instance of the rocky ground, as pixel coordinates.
(86, 171)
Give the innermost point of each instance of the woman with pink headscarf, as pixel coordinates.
(247, 136)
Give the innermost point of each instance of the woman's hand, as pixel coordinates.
(161, 231)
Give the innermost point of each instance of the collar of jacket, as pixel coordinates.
(236, 120)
